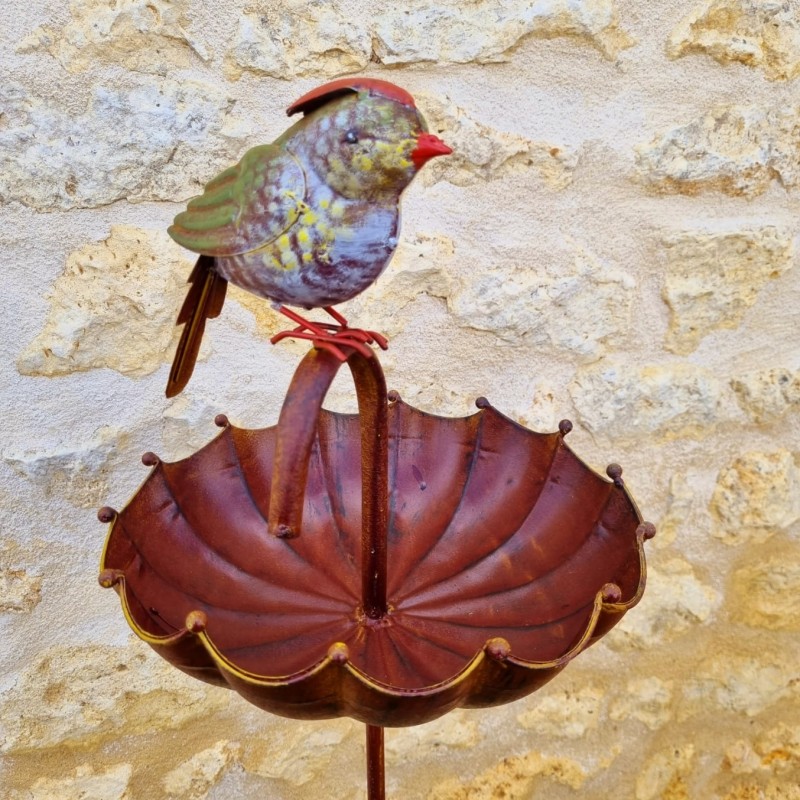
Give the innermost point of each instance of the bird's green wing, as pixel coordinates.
(244, 207)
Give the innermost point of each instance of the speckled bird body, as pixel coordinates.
(310, 220)
(337, 248)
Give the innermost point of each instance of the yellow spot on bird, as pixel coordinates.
(325, 231)
(269, 260)
(289, 260)
(364, 163)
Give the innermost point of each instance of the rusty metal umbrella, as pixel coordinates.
(388, 566)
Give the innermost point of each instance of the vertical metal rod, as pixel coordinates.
(373, 407)
(376, 785)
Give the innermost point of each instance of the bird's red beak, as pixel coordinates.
(428, 146)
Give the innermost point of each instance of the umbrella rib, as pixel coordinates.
(506, 626)
(222, 557)
(164, 579)
(325, 472)
(235, 452)
(215, 554)
(417, 635)
(473, 564)
(473, 459)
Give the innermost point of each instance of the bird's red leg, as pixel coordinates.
(341, 321)
(328, 336)
(304, 324)
(319, 335)
(369, 336)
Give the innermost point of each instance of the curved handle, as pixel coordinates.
(296, 429)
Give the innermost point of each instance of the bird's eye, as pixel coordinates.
(351, 137)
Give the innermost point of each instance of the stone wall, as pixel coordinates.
(614, 241)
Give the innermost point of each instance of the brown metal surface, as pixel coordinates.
(376, 766)
(507, 556)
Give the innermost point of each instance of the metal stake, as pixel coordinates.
(375, 764)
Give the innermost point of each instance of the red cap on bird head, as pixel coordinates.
(322, 94)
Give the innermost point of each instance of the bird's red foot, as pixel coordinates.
(331, 337)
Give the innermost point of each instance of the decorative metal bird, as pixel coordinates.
(310, 220)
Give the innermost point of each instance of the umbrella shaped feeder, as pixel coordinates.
(389, 565)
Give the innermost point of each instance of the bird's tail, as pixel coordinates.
(203, 301)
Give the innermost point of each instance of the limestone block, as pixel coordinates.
(742, 684)
(566, 712)
(422, 264)
(114, 306)
(576, 308)
(20, 591)
(756, 495)
(482, 153)
(160, 141)
(546, 409)
(741, 758)
(684, 507)
(512, 777)
(758, 33)
(484, 31)
(766, 395)
(711, 279)
(768, 592)
(193, 779)
(776, 751)
(735, 149)
(187, 424)
(622, 400)
(81, 694)
(648, 700)
(77, 471)
(779, 749)
(294, 38)
(297, 753)
(141, 35)
(769, 790)
(84, 783)
(676, 601)
(455, 731)
(663, 777)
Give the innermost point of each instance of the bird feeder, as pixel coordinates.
(389, 566)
